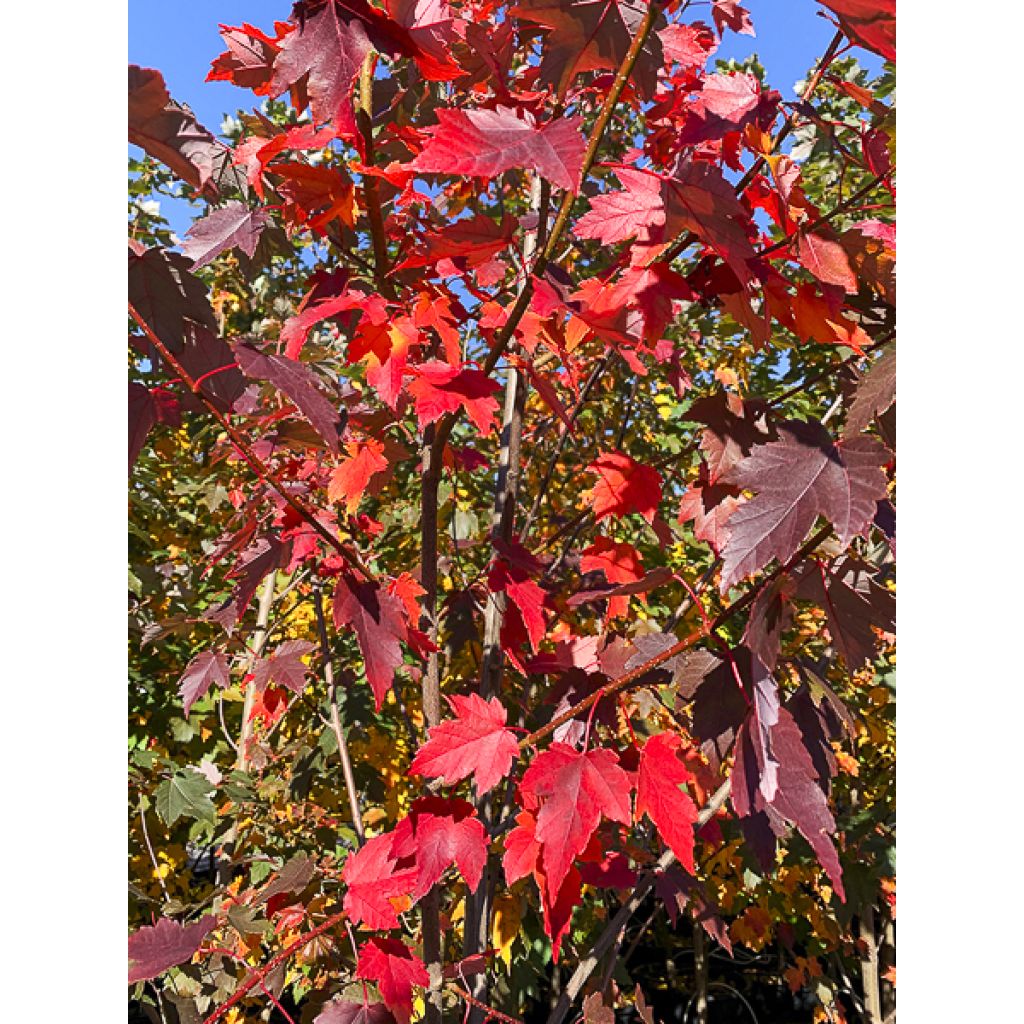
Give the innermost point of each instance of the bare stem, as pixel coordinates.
(339, 733)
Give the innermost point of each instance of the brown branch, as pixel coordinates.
(371, 190)
(489, 1012)
(257, 465)
(257, 976)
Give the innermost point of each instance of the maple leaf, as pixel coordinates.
(658, 795)
(876, 391)
(395, 969)
(345, 1011)
(617, 216)
(623, 486)
(441, 833)
(296, 329)
(796, 479)
(209, 361)
(853, 603)
(592, 35)
(233, 224)
(575, 789)
(709, 506)
(141, 417)
(798, 797)
(475, 743)
(352, 475)
(170, 132)
(729, 13)
(726, 103)
(527, 595)
(167, 296)
(486, 143)
(620, 562)
(284, 666)
(299, 383)
(433, 29)
(249, 59)
(202, 671)
(826, 260)
(331, 51)
(378, 619)
(156, 948)
(439, 388)
(655, 208)
(688, 45)
(372, 879)
(255, 562)
(872, 23)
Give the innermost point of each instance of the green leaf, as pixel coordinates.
(185, 794)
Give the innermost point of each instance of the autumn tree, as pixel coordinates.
(511, 450)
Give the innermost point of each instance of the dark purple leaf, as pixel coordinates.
(204, 669)
(770, 616)
(293, 877)
(170, 132)
(875, 393)
(798, 799)
(154, 949)
(166, 295)
(801, 476)
(261, 557)
(141, 417)
(209, 360)
(649, 581)
(345, 1011)
(225, 228)
(853, 603)
(378, 619)
(285, 666)
(299, 383)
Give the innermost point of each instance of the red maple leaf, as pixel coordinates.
(486, 143)
(395, 969)
(378, 618)
(476, 742)
(826, 260)
(441, 833)
(439, 388)
(658, 795)
(352, 475)
(373, 878)
(620, 562)
(574, 789)
(524, 593)
(623, 486)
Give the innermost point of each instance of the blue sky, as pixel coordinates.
(181, 39)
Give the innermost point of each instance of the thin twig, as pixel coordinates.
(339, 733)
